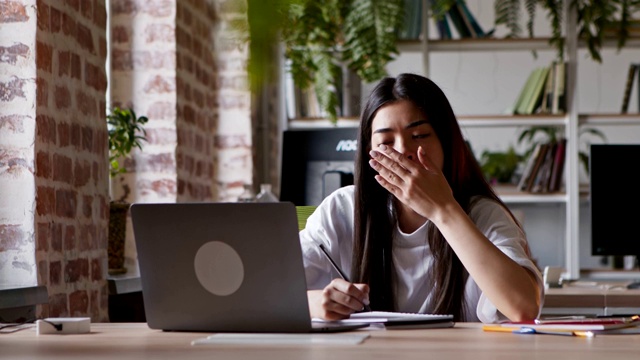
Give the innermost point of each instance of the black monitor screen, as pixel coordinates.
(316, 162)
(615, 199)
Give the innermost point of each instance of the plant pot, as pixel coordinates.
(117, 235)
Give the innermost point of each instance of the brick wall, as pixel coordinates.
(17, 131)
(71, 156)
(196, 101)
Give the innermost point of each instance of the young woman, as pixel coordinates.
(421, 230)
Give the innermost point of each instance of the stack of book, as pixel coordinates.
(464, 23)
(544, 168)
(572, 326)
(544, 91)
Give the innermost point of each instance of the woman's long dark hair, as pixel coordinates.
(374, 222)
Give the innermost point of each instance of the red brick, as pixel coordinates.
(87, 106)
(87, 205)
(78, 303)
(102, 46)
(56, 20)
(42, 92)
(74, 4)
(10, 54)
(82, 173)
(44, 56)
(13, 11)
(43, 272)
(159, 85)
(86, 9)
(161, 8)
(12, 237)
(43, 235)
(43, 16)
(43, 165)
(99, 15)
(62, 168)
(66, 203)
(64, 63)
(58, 305)
(160, 33)
(12, 89)
(70, 237)
(56, 237)
(76, 139)
(95, 77)
(12, 124)
(62, 97)
(45, 200)
(161, 110)
(123, 7)
(232, 141)
(64, 133)
(68, 25)
(96, 270)
(76, 67)
(87, 136)
(119, 34)
(55, 273)
(75, 270)
(84, 37)
(121, 60)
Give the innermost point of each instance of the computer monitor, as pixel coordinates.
(316, 162)
(615, 199)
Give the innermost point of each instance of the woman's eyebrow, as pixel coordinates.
(416, 123)
(411, 125)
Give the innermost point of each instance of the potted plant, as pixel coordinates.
(126, 132)
(498, 166)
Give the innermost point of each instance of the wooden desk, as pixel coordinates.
(603, 299)
(464, 341)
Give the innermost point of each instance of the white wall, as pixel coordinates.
(489, 82)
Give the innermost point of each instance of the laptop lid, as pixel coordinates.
(222, 267)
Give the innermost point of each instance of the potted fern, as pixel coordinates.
(126, 132)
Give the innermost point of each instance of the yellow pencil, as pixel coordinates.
(529, 330)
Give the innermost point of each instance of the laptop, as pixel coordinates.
(223, 267)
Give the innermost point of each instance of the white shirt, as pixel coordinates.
(331, 224)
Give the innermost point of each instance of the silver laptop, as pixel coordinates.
(223, 267)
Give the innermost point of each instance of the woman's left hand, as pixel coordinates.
(420, 184)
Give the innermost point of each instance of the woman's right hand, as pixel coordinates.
(338, 300)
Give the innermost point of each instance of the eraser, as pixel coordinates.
(64, 325)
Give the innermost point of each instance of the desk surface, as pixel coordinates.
(464, 341)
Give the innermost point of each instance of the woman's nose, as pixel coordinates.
(402, 148)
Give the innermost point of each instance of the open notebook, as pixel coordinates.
(398, 320)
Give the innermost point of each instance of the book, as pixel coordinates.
(544, 147)
(536, 92)
(558, 166)
(631, 73)
(465, 19)
(526, 173)
(442, 25)
(471, 20)
(558, 104)
(458, 22)
(524, 91)
(544, 173)
(587, 324)
(547, 95)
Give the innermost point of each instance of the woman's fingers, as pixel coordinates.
(342, 298)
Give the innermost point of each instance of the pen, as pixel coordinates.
(335, 266)
(528, 330)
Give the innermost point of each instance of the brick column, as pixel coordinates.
(71, 157)
(17, 132)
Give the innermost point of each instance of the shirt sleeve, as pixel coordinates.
(331, 224)
(498, 226)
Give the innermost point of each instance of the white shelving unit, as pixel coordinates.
(570, 121)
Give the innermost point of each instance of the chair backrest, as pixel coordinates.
(303, 213)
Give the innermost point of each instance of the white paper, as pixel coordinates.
(282, 339)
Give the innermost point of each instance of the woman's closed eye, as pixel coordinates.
(421, 136)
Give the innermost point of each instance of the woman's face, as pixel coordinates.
(404, 127)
